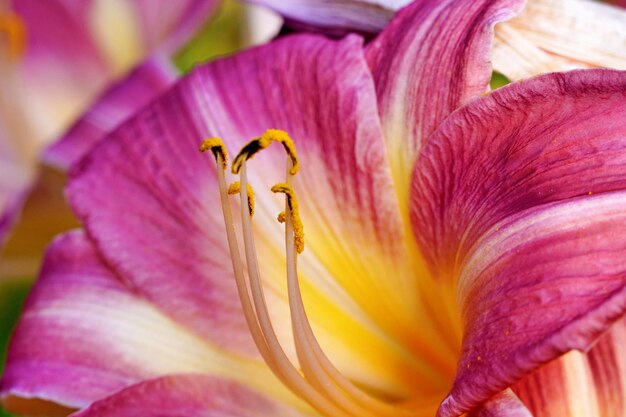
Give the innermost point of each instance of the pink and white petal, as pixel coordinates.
(145, 195)
(556, 35)
(143, 27)
(63, 67)
(58, 34)
(537, 286)
(120, 101)
(608, 366)
(62, 32)
(188, 395)
(503, 404)
(72, 53)
(336, 17)
(167, 25)
(150, 201)
(80, 323)
(550, 139)
(439, 61)
(323, 96)
(532, 228)
(591, 384)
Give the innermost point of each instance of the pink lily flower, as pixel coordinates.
(56, 57)
(547, 36)
(464, 252)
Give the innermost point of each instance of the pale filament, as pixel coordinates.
(270, 350)
(319, 383)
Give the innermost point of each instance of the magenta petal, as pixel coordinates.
(84, 335)
(591, 384)
(59, 41)
(166, 25)
(366, 16)
(525, 193)
(440, 59)
(52, 348)
(149, 198)
(62, 33)
(188, 396)
(504, 404)
(120, 101)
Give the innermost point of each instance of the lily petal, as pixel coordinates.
(525, 226)
(187, 395)
(120, 101)
(337, 17)
(440, 60)
(557, 35)
(62, 32)
(165, 28)
(81, 323)
(70, 56)
(149, 200)
(71, 53)
(549, 35)
(504, 404)
(591, 384)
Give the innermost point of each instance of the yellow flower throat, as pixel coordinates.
(316, 380)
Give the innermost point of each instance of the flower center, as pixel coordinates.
(315, 379)
(12, 35)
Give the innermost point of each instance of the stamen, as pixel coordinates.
(293, 379)
(15, 30)
(266, 342)
(296, 223)
(316, 365)
(219, 151)
(320, 383)
(258, 144)
(235, 188)
(216, 146)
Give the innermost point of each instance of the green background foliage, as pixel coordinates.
(12, 295)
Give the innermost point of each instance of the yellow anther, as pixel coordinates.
(282, 217)
(13, 27)
(235, 188)
(258, 144)
(216, 146)
(292, 202)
